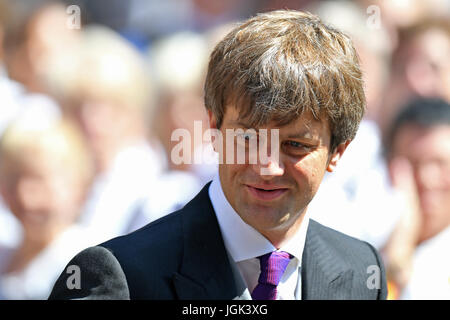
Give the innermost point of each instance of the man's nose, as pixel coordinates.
(273, 168)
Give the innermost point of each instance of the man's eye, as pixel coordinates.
(294, 146)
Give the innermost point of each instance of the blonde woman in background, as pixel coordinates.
(44, 173)
(109, 94)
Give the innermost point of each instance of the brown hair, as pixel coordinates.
(279, 64)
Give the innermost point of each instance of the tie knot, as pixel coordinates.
(273, 265)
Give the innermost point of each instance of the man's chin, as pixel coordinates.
(265, 215)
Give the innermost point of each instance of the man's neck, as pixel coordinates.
(281, 235)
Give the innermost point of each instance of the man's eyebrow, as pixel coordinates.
(306, 134)
(302, 135)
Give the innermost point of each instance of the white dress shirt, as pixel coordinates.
(245, 245)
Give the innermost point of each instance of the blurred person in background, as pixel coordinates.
(143, 22)
(207, 14)
(360, 187)
(45, 170)
(38, 40)
(10, 93)
(267, 5)
(15, 99)
(418, 253)
(400, 14)
(179, 63)
(420, 66)
(109, 94)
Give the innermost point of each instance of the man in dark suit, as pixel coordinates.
(248, 234)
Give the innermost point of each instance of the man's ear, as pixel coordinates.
(336, 155)
(215, 133)
(212, 120)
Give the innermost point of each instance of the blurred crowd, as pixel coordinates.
(91, 92)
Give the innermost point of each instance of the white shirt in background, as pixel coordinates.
(36, 281)
(173, 190)
(116, 194)
(136, 191)
(430, 278)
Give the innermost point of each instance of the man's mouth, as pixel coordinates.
(266, 193)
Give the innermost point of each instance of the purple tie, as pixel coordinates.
(273, 265)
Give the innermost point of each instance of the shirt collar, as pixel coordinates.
(242, 241)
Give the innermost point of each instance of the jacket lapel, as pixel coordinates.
(243, 292)
(206, 271)
(324, 273)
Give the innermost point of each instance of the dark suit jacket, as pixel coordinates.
(182, 256)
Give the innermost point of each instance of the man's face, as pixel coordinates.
(428, 151)
(274, 199)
